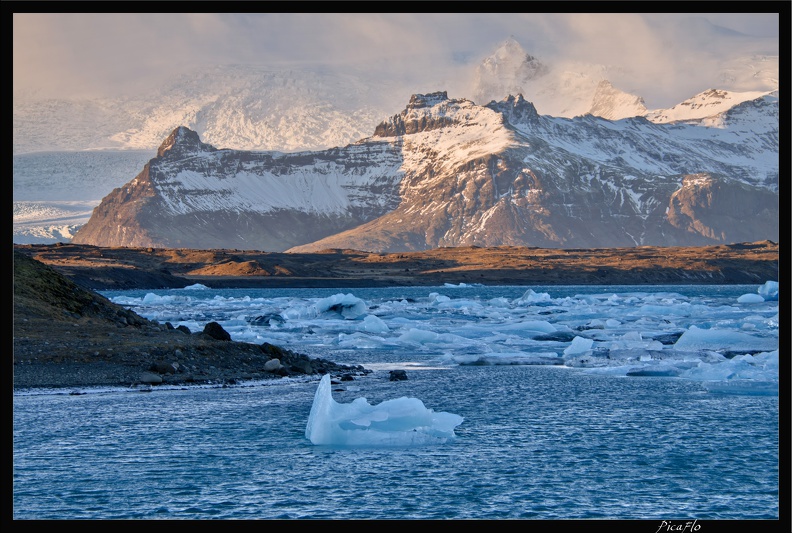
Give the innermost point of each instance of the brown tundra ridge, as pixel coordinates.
(101, 268)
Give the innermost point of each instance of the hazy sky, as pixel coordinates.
(672, 56)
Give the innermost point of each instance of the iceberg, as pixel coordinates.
(769, 291)
(400, 422)
(347, 305)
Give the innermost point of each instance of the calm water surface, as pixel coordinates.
(537, 442)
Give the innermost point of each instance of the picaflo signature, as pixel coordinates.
(679, 527)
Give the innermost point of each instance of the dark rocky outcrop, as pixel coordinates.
(707, 208)
(216, 331)
(397, 375)
(408, 123)
(65, 335)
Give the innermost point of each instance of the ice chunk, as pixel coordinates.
(715, 339)
(579, 345)
(751, 298)
(347, 305)
(196, 287)
(374, 324)
(400, 422)
(532, 297)
(769, 291)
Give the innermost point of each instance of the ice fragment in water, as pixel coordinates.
(769, 291)
(400, 422)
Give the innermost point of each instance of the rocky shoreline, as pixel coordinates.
(66, 336)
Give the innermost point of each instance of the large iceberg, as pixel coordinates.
(400, 422)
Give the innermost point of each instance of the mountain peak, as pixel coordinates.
(509, 70)
(515, 109)
(613, 104)
(417, 116)
(183, 140)
(510, 55)
(510, 45)
(418, 101)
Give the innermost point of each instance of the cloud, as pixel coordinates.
(101, 53)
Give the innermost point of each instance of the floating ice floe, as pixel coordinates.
(579, 345)
(714, 339)
(532, 297)
(744, 374)
(769, 291)
(751, 298)
(400, 422)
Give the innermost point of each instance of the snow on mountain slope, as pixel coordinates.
(756, 72)
(448, 172)
(611, 103)
(710, 104)
(651, 149)
(528, 179)
(196, 196)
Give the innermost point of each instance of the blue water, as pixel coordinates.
(537, 442)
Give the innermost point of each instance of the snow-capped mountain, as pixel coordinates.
(288, 109)
(566, 89)
(711, 104)
(193, 195)
(448, 172)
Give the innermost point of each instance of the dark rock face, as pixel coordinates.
(183, 142)
(515, 109)
(722, 210)
(408, 122)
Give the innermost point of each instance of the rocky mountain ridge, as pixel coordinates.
(297, 108)
(448, 172)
